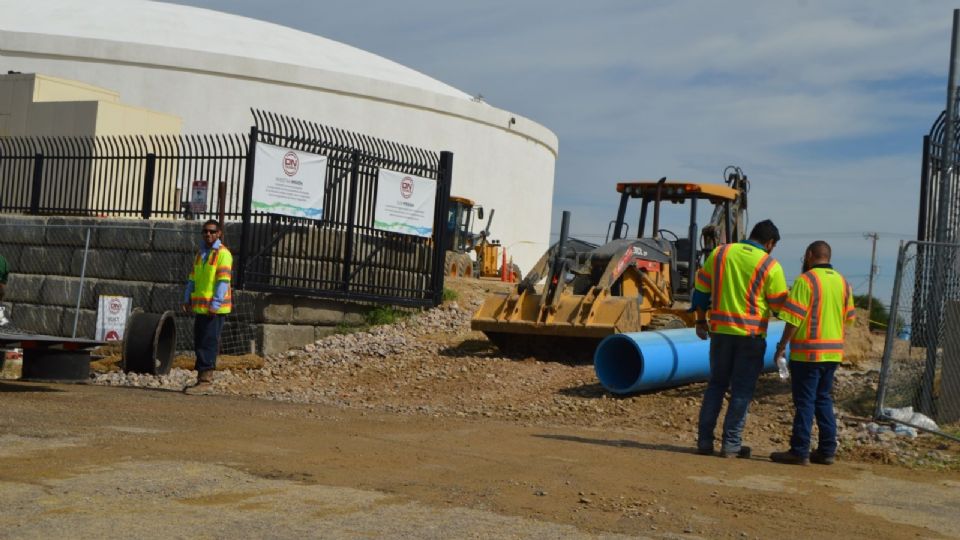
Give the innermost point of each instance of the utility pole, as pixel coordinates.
(873, 271)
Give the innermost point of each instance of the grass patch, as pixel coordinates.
(449, 295)
(384, 315)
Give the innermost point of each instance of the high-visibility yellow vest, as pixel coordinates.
(819, 305)
(206, 273)
(745, 284)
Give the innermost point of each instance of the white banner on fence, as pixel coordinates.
(405, 203)
(288, 182)
(112, 313)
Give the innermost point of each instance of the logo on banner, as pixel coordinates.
(115, 306)
(291, 163)
(406, 187)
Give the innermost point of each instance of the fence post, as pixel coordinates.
(245, 229)
(891, 330)
(351, 217)
(148, 178)
(444, 179)
(83, 275)
(37, 182)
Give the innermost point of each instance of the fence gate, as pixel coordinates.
(343, 254)
(921, 357)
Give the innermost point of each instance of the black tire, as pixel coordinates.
(666, 321)
(149, 343)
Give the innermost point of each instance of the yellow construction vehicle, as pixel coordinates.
(462, 240)
(625, 285)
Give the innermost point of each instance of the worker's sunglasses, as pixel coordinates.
(209, 231)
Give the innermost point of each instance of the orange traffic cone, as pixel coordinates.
(503, 266)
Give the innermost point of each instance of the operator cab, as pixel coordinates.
(685, 257)
(460, 224)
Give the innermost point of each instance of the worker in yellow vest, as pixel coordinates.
(740, 284)
(818, 308)
(209, 296)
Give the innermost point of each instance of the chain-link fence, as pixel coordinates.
(920, 373)
(60, 268)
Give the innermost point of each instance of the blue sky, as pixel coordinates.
(822, 103)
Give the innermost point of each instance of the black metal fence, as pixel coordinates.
(939, 213)
(121, 176)
(341, 255)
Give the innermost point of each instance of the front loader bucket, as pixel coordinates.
(516, 323)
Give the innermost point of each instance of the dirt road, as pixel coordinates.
(86, 461)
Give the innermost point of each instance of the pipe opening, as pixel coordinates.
(618, 363)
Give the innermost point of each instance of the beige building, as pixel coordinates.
(40, 105)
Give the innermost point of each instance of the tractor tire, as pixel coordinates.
(451, 264)
(466, 266)
(666, 321)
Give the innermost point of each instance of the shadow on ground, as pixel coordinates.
(621, 443)
(25, 387)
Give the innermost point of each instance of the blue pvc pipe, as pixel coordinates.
(653, 359)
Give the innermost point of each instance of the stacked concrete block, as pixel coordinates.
(86, 323)
(149, 261)
(139, 292)
(67, 291)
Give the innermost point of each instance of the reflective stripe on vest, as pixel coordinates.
(206, 274)
(738, 302)
(819, 338)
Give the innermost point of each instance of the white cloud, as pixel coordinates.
(653, 88)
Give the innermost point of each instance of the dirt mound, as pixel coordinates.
(863, 349)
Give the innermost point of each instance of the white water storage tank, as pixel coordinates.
(209, 68)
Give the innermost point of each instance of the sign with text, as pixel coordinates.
(288, 182)
(198, 196)
(405, 203)
(112, 313)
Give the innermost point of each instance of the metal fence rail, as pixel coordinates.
(341, 255)
(924, 373)
(123, 176)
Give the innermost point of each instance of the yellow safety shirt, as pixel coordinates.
(206, 274)
(745, 284)
(820, 304)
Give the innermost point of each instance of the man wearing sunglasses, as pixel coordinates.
(210, 298)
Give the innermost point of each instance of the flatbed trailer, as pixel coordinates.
(52, 358)
(147, 347)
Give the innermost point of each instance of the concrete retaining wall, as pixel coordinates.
(148, 261)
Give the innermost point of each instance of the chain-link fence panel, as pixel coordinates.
(920, 373)
(60, 268)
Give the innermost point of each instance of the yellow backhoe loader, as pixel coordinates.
(462, 240)
(625, 285)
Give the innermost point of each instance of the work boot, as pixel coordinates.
(788, 458)
(204, 384)
(743, 453)
(822, 459)
(704, 451)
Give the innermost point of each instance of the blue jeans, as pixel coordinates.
(812, 383)
(206, 340)
(735, 363)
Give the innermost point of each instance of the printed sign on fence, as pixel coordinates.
(198, 196)
(405, 203)
(112, 313)
(288, 182)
